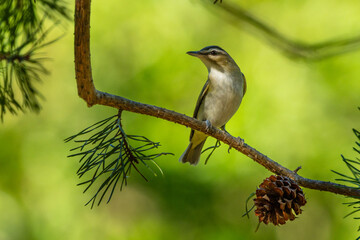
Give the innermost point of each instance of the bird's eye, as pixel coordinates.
(213, 53)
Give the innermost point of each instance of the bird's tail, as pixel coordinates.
(192, 153)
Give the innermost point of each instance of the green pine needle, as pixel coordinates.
(217, 145)
(353, 177)
(22, 36)
(247, 210)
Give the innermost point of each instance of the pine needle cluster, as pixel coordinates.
(354, 177)
(22, 35)
(108, 155)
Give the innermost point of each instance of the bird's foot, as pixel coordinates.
(217, 1)
(242, 142)
(208, 125)
(223, 128)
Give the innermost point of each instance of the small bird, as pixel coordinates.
(219, 99)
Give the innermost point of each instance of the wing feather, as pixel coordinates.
(200, 100)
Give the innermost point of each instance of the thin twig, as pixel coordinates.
(297, 169)
(292, 48)
(87, 91)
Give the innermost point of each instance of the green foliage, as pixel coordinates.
(354, 177)
(353, 166)
(22, 35)
(108, 152)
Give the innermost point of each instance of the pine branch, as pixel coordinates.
(21, 66)
(22, 37)
(107, 152)
(354, 177)
(92, 96)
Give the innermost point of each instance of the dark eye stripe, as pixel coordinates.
(212, 47)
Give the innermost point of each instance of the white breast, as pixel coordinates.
(224, 96)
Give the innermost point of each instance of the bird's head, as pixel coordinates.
(215, 57)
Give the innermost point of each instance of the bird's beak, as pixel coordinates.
(194, 53)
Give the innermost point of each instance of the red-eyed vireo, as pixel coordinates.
(219, 99)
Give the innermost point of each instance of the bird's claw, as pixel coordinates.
(217, 1)
(223, 128)
(242, 142)
(208, 125)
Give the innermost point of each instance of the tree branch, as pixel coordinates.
(234, 14)
(88, 92)
(85, 84)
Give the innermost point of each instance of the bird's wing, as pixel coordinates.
(201, 98)
(244, 86)
(199, 101)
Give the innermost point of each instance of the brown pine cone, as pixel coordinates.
(277, 199)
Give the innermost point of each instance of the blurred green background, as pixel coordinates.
(296, 112)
